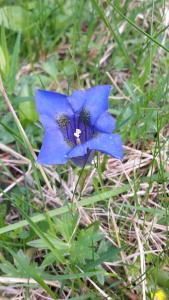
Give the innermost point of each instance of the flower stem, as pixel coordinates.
(78, 180)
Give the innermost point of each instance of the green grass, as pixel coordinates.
(106, 236)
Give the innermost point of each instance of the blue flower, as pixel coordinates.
(77, 125)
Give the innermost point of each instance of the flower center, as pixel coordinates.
(77, 134)
(77, 129)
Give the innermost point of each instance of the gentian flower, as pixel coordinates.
(77, 125)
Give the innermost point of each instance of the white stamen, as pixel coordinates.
(77, 134)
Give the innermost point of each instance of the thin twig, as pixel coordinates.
(116, 86)
(11, 280)
(17, 181)
(106, 296)
(142, 262)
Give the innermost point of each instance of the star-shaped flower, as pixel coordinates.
(77, 125)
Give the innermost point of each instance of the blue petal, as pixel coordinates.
(54, 148)
(48, 122)
(97, 101)
(77, 100)
(107, 143)
(94, 100)
(105, 123)
(52, 104)
(79, 150)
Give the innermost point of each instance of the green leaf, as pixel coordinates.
(11, 78)
(69, 68)
(29, 271)
(110, 255)
(2, 61)
(66, 225)
(51, 66)
(56, 252)
(27, 111)
(84, 247)
(5, 136)
(48, 260)
(14, 17)
(161, 277)
(4, 53)
(40, 243)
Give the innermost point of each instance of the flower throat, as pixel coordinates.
(76, 130)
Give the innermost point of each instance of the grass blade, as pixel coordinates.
(59, 211)
(138, 28)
